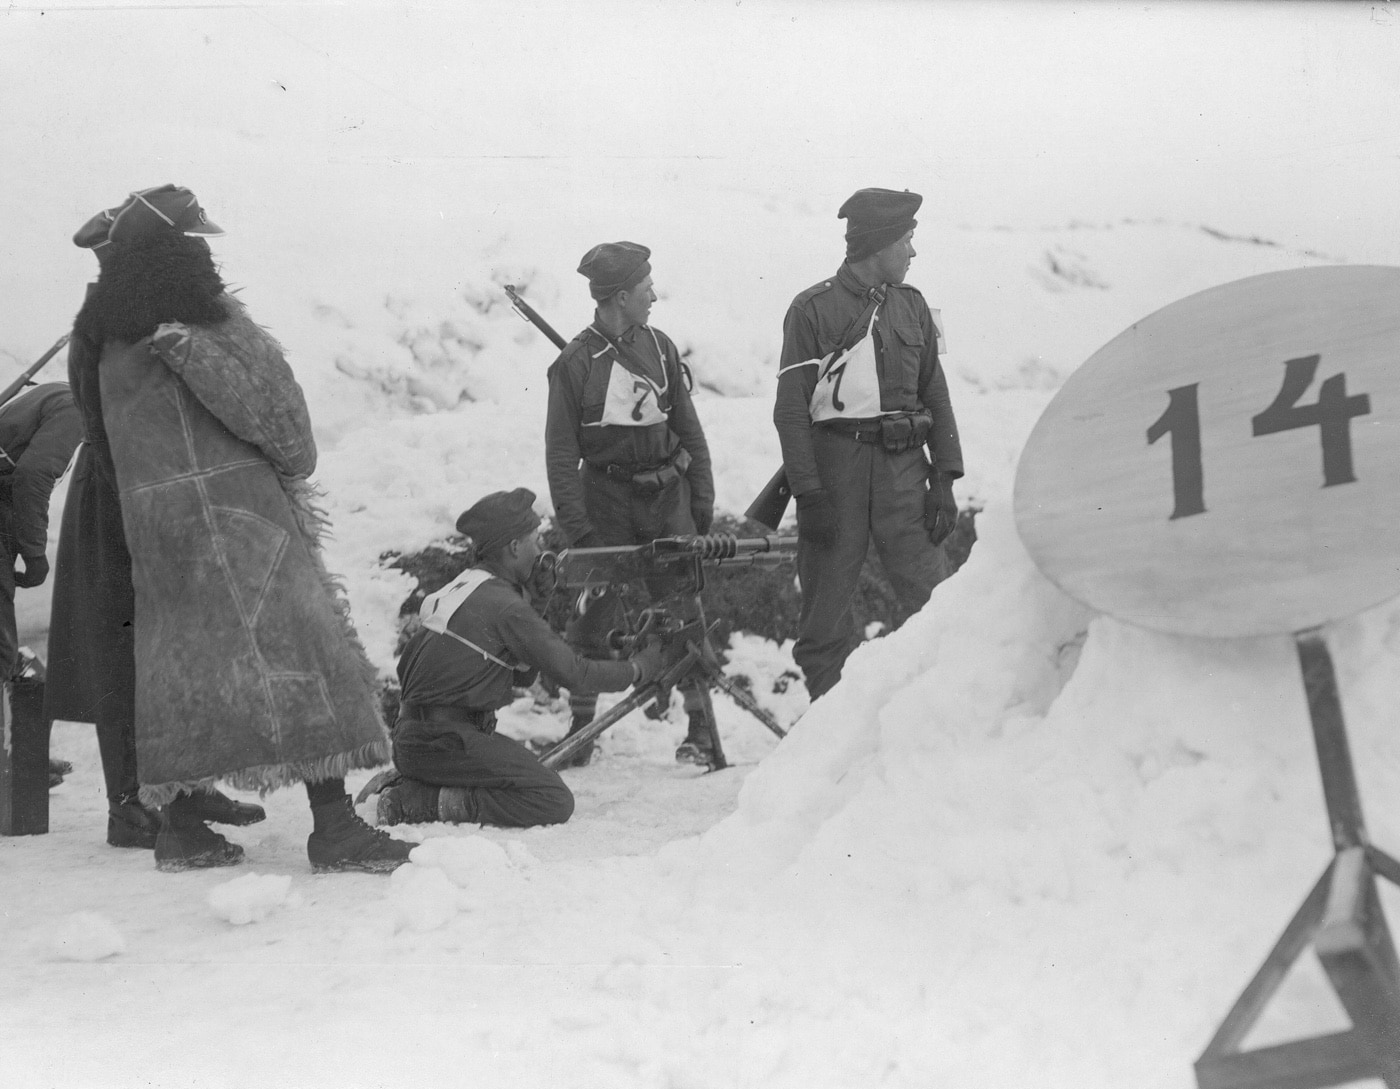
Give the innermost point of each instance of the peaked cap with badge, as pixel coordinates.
(162, 207)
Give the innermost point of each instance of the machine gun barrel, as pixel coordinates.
(584, 567)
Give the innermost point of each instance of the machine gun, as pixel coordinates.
(672, 567)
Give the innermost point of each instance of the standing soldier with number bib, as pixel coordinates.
(627, 459)
(861, 395)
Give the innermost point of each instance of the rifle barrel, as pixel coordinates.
(23, 380)
(530, 314)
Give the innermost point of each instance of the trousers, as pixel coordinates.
(622, 514)
(879, 497)
(505, 784)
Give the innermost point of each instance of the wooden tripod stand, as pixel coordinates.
(1341, 919)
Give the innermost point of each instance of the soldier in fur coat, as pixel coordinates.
(243, 664)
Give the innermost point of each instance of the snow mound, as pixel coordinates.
(86, 936)
(448, 874)
(251, 898)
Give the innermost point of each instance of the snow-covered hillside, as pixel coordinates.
(1020, 844)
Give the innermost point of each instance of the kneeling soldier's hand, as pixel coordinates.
(36, 570)
(940, 508)
(816, 518)
(648, 663)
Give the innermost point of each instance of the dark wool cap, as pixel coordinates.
(614, 266)
(875, 218)
(498, 519)
(164, 207)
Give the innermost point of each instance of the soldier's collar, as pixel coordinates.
(627, 336)
(853, 283)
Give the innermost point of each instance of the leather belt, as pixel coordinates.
(860, 430)
(450, 716)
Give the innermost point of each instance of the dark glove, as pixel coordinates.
(816, 518)
(36, 570)
(650, 662)
(940, 508)
(704, 516)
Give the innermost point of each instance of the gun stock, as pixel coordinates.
(770, 504)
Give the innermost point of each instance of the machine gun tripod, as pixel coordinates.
(681, 563)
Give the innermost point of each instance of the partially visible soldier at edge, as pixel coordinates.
(854, 427)
(481, 639)
(626, 457)
(39, 430)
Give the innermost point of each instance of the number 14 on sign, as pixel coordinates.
(1331, 414)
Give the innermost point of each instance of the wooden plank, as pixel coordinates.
(1383, 864)
(1294, 524)
(1295, 938)
(1357, 954)
(1339, 787)
(1302, 1064)
(24, 760)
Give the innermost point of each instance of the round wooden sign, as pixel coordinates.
(1229, 465)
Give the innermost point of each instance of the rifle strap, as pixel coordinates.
(875, 297)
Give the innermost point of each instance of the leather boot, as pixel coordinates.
(131, 824)
(341, 841)
(407, 802)
(697, 747)
(187, 843)
(455, 805)
(214, 807)
(584, 755)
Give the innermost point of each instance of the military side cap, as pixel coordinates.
(163, 207)
(614, 266)
(877, 217)
(498, 519)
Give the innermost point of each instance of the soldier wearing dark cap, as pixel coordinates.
(869, 441)
(479, 641)
(626, 456)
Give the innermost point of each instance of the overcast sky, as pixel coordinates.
(1281, 119)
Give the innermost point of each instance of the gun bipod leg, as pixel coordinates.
(707, 709)
(618, 711)
(741, 695)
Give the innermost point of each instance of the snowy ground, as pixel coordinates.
(1020, 844)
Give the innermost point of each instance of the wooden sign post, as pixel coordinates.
(1226, 467)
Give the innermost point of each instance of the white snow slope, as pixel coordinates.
(1020, 844)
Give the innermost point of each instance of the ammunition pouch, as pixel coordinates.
(905, 430)
(653, 479)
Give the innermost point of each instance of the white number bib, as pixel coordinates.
(633, 400)
(848, 386)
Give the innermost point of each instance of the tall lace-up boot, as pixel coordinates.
(186, 843)
(341, 841)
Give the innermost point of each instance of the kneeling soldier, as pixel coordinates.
(480, 640)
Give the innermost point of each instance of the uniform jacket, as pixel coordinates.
(39, 431)
(645, 363)
(436, 669)
(247, 666)
(906, 355)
